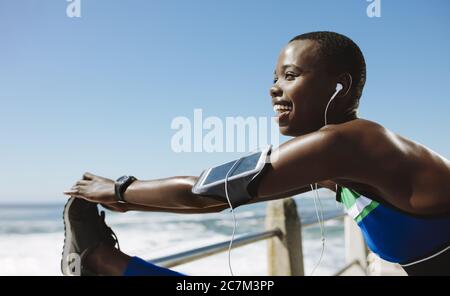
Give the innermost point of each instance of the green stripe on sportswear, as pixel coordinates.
(348, 197)
(366, 211)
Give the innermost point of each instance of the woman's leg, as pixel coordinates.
(107, 260)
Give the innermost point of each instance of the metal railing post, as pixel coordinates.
(284, 252)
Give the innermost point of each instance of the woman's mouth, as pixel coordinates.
(282, 112)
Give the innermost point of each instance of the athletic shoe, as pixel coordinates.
(84, 229)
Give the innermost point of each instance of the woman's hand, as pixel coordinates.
(94, 188)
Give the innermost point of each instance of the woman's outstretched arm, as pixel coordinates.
(304, 160)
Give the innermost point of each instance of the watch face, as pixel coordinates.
(122, 179)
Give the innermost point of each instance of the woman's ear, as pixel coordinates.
(346, 81)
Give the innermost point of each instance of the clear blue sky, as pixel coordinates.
(68, 87)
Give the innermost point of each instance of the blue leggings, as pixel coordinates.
(139, 267)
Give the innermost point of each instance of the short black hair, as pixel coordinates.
(343, 55)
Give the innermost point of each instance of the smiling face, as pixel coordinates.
(302, 88)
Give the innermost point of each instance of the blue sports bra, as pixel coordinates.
(394, 235)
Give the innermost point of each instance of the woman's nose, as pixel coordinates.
(275, 91)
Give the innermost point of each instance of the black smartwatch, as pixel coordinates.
(121, 185)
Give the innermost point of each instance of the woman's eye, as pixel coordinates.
(289, 76)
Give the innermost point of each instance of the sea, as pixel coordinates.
(32, 235)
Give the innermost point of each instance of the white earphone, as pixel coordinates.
(320, 219)
(339, 87)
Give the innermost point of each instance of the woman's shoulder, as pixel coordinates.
(356, 126)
